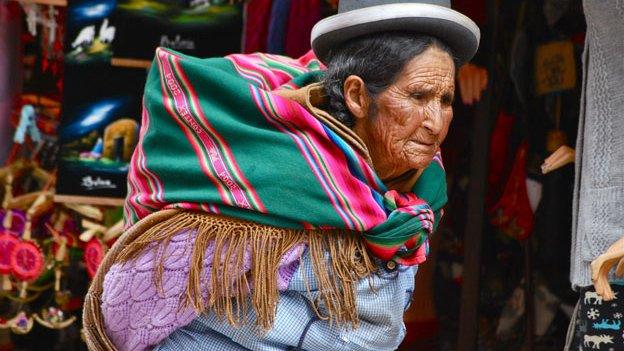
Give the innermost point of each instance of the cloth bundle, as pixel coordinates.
(217, 137)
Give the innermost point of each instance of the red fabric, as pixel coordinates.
(74, 304)
(11, 11)
(513, 214)
(420, 330)
(475, 9)
(302, 17)
(578, 38)
(257, 16)
(498, 157)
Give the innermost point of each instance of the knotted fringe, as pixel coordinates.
(339, 261)
(93, 329)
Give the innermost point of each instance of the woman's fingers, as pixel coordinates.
(604, 289)
(550, 161)
(561, 157)
(619, 270)
(472, 81)
(602, 284)
(557, 155)
(600, 272)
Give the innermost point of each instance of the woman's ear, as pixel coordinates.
(356, 96)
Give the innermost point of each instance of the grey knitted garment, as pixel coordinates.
(598, 209)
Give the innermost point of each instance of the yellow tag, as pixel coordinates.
(555, 68)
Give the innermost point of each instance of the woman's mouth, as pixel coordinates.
(427, 144)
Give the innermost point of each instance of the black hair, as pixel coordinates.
(377, 59)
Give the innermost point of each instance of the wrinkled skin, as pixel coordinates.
(405, 125)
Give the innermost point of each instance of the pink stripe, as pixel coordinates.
(254, 64)
(293, 115)
(140, 192)
(247, 73)
(352, 188)
(300, 145)
(276, 78)
(216, 159)
(369, 174)
(248, 188)
(156, 198)
(191, 139)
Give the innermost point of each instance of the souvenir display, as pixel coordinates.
(71, 108)
(99, 129)
(203, 28)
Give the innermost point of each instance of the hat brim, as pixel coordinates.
(457, 31)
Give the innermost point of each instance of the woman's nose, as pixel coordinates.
(434, 121)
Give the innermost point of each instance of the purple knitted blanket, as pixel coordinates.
(137, 317)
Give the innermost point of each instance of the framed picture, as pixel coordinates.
(89, 32)
(202, 28)
(99, 129)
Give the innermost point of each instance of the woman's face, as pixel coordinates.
(407, 122)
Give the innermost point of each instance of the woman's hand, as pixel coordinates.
(603, 264)
(558, 159)
(472, 82)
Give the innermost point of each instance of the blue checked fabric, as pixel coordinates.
(297, 327)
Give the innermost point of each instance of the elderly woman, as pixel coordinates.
(277, 205)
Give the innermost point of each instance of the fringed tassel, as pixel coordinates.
(339, 260)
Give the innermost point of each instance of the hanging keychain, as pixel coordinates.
(53, 317)
(26, 127)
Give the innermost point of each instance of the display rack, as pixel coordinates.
(130, 63)
(44, 2)
(89, 200)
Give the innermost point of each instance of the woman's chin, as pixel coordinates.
(420, 162)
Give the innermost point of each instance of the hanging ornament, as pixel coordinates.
(33, 16)
(26, 130)
(27, 261)
(21, 324)
(54, 318)
(8, 242)
(17, 220)
(93, 256)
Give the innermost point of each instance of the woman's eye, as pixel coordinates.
(418, 96)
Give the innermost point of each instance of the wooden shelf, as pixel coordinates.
(130, 63)
(89, 200)
(62, 3)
